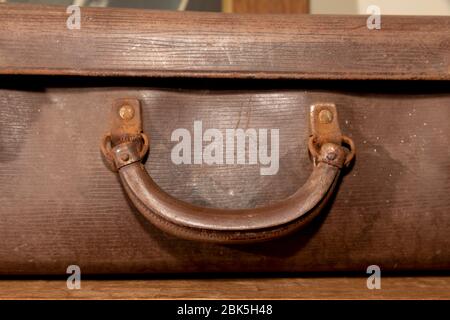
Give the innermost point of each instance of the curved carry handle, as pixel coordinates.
(126, 145)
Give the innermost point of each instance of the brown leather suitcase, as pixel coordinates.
(114, 142)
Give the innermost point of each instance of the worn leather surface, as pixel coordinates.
(60, 205)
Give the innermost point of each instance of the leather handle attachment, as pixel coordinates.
(125, 146)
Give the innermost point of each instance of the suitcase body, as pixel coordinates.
(60, 205)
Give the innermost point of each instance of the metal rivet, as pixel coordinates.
(325, 116)
(125, 157)
(331, 156)
(126, 112)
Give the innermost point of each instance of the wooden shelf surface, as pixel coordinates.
(430, 287)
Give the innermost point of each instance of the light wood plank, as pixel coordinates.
(285, 288)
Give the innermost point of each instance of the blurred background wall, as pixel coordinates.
(408, 7)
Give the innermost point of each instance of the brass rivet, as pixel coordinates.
(125, 157)
(126, 112)
(325, 116)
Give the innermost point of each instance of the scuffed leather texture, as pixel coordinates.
(60, 205)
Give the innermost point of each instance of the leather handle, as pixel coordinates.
(125, 146)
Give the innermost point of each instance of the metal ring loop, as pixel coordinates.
(352, 150)
(105, 148)
(313, 149)
(145, 145)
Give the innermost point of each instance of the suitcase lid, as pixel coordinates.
(35, 40)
